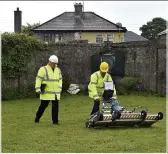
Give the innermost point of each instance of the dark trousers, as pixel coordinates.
(43, 106)
(95, 107)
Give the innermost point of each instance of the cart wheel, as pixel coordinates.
(143, 114)
(160, 115)
(87, 124)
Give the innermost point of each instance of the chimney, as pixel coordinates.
(78, 9)
(17, 21)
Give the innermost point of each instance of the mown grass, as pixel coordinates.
(21, 134)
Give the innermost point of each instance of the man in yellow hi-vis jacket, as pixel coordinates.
(96, 86)
(49, 86)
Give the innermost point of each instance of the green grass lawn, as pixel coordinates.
(21, 134)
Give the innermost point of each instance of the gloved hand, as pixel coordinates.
(38, 93)
(97, 99)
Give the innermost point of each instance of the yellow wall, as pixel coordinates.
(91, 36)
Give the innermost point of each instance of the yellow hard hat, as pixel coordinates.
(104, 67)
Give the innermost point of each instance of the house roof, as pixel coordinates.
(130, 36)
(163, 32)
(67, 21)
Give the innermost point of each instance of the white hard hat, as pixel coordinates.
(53, 59)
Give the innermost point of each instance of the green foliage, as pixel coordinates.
(126, 85)
(17, 50)
(16, 53)
(152, 28)
(9, 93)
(149, 93)
(18, 93)
(121, 90)
(27, 29)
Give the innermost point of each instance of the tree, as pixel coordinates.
(152, 28)
(27, 29)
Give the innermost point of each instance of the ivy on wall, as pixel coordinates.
(16, 53)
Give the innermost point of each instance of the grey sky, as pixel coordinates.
(132, 14)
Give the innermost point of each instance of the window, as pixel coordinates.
(47, 37)
(110, 37)
(99, 39)
(58, 37)
(77, 36)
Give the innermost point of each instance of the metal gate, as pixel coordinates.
(116, 63)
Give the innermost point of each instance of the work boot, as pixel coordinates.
(55, 123)
(36, 120)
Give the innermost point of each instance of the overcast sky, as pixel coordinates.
(132, 14)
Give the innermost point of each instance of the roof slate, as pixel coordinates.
(130, 36)
(89, 22)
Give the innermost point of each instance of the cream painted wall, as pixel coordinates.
(91, 36)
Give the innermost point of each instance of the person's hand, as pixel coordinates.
(97, 99)
(38, 93)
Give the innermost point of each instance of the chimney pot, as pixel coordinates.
(78, 9)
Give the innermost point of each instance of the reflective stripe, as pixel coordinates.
(37, 88)
(93, 83)
(47, 76)
(51, 92)
(58, 92)
(51, 80)
(100, 87)
(97, 77)
(39, 77)
(95, 95)
(46, 72)
(107, 77)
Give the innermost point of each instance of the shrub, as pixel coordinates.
(17, 50)
(16, 53)
(126, 85)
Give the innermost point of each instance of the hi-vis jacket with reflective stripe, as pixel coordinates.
(96, 85)
(53, 81)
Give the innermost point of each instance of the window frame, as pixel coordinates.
(110, 39)
(59, 37)
(98, 38)
(47, 37)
